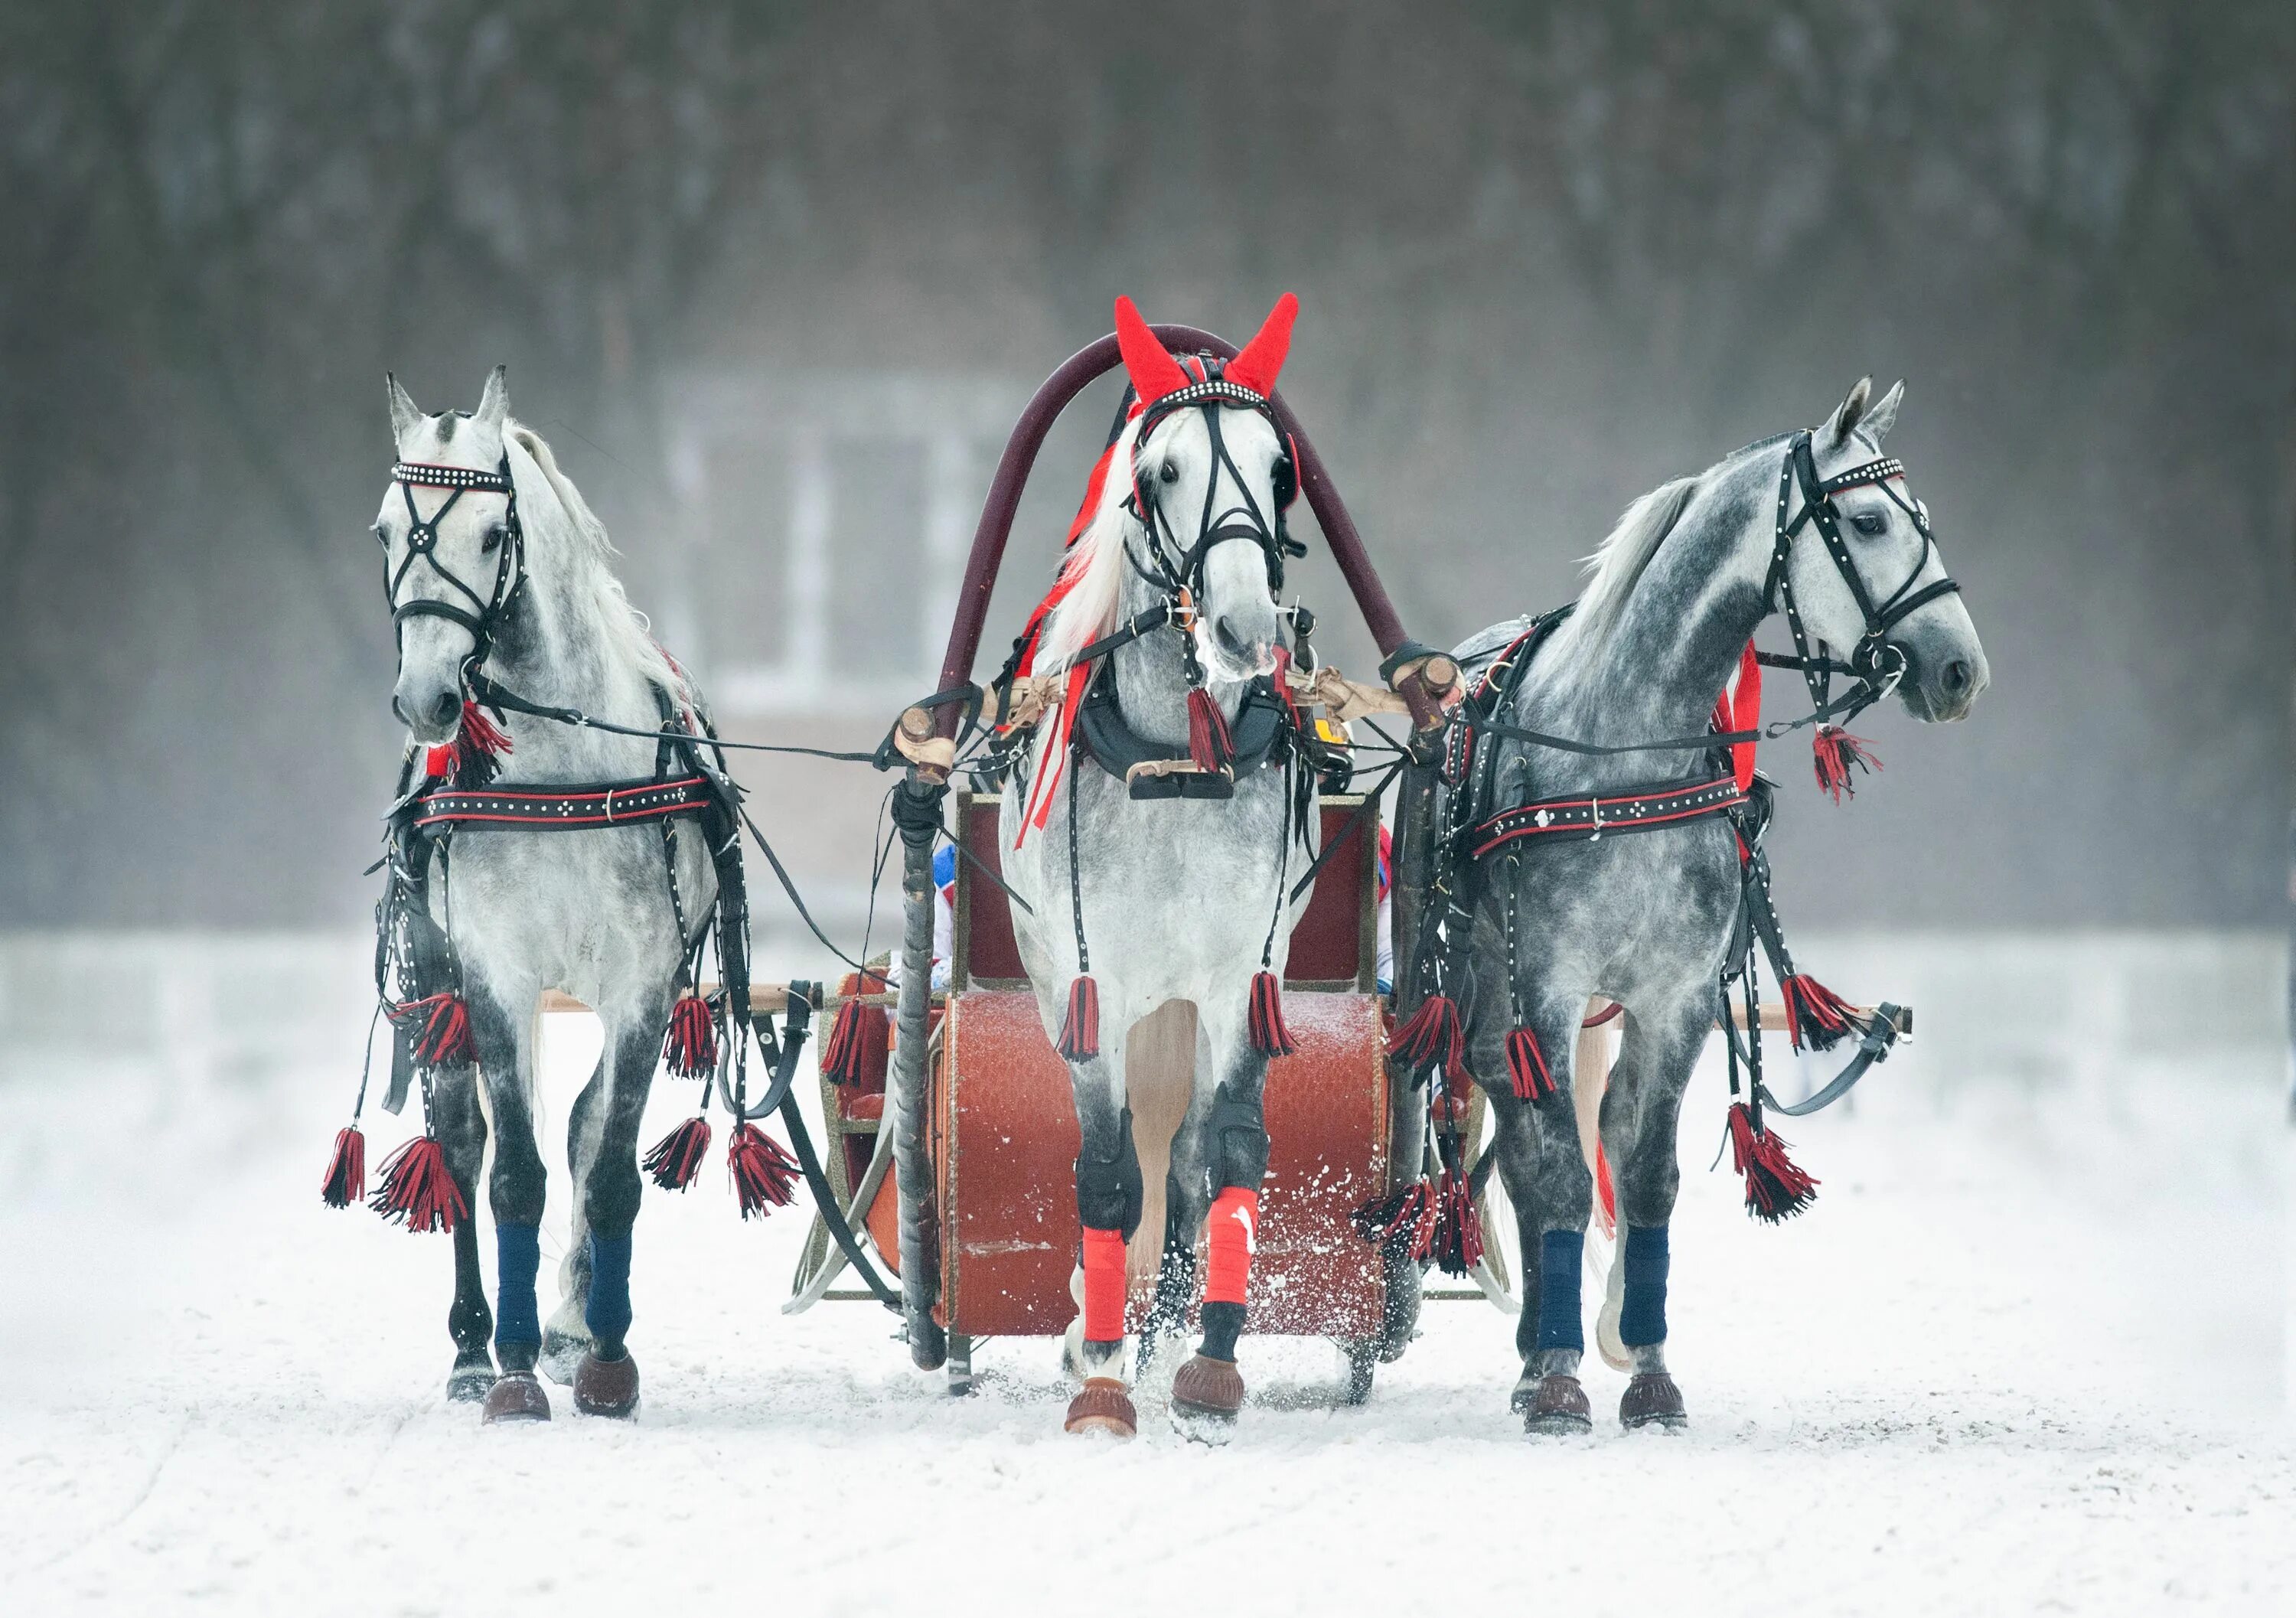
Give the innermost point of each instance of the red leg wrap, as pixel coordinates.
(1103, 1285)
(1231, 1232)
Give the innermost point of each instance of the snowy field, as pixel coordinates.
(2024, 1355)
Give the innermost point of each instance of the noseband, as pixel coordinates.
(422, 542)
(1876, 663)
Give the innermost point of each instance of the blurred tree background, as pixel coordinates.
(1550, 254)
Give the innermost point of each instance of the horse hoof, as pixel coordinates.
(606, 1387)
(1104, 1406)
(1206, 1395)
(516, 1396)
(1651, 1400)
(471, 1382)
(562, 1355)
(1556, 1405)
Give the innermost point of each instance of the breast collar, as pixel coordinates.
(1262, 724)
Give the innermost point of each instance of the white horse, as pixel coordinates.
(499, 572)
(1137, 902)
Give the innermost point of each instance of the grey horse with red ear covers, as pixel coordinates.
(1149, 831)
(1605, 821)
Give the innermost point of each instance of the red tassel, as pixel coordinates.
(1774, 1188)
(690, 1045)
(764, 1177)
(1816, 1016)
(859, 1041)
(1527, 1066)
(1080, 1034)
(1210, 745)
(473, 758)
(677, 1158)
(1269, 1037)
(1457, 1232)
(418, 1191)
(345, 1182)
(442, 1025)
(1432, 1035)
(1833, 751)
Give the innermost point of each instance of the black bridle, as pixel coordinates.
(1178, 570)
(1876, 662)
(489, 611)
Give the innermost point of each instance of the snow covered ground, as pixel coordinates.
(2025, 1354)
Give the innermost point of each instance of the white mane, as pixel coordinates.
(1617, 563)
(591, 584)
(1095, 562)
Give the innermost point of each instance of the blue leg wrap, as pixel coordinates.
(518, 1255)
(1559, 1323)
(1641, 1316)
(608, 1311)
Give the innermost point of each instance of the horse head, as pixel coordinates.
(453, 553)
(1883, 590)
(1211, 477)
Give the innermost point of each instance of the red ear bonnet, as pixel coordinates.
(1153, 371)
(1262, 358)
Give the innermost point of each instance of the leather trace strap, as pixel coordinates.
(1583, 818)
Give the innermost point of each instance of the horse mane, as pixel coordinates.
(594, 586)
(1093, 570)
(1618, 565)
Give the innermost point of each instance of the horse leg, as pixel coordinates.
(1552, 1190)
(566, 1335)
(1208, 1391)
(1108, 1210)
(462, 1128)
(606, 1382)
(514, 1190)
(1640, 1116)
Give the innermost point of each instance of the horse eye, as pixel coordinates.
(382, 534)
(1170, 474)
(1869, 523)
(494, 537)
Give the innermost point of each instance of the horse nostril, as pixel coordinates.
(446, 708)
(1230, 641)
(1955, 677)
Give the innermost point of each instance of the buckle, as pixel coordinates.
(1155, 778)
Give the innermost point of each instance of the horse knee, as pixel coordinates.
(1238, 1127)
(1109, 1192)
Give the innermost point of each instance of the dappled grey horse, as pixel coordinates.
(1150, 835)
(498, 572)
(1817, 525)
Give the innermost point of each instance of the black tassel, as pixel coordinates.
(1269, 1037)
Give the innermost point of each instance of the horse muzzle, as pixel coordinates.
(1943, 686)
(432, 713)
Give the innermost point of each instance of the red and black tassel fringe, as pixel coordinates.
(415, 1189)
(1080, 1033)
(1457, 1243)
(1432, 1035)
(473, 758)
(345, 1180)
(690, 1047)
(1833, 751)
(1210, 745)
(859, 1041)
(1406, 1217)
(1816, 1016)
(765, 1176)
(1527, 1066)
(677, 1159)
(1774, 1188)
(1269, 1037)
(439, 1028)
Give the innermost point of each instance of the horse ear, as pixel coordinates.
(1852, 412)
(1153, 371)
(403, 413)
(1883, 416)
(1261, 361)
(494, 404)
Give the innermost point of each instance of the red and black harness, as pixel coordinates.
(1479, 827)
